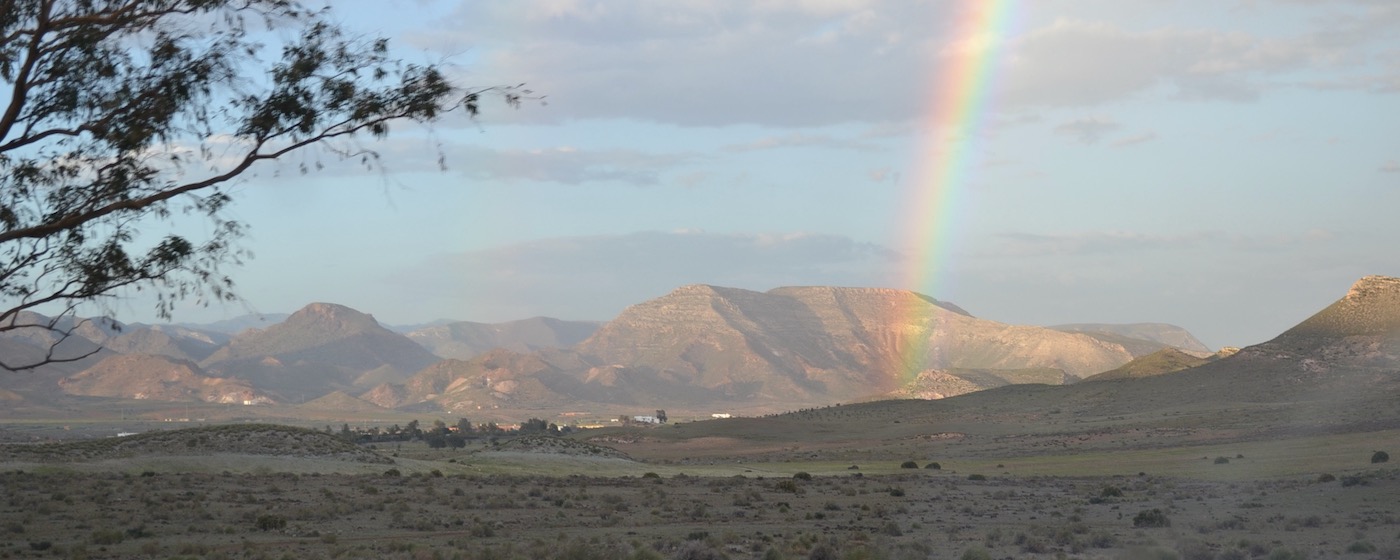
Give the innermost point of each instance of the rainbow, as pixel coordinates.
(959, 98)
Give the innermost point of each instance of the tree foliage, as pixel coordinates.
(121, 115)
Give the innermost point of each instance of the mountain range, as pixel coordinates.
(698, 347)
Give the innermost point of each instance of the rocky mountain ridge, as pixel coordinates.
(698, 346)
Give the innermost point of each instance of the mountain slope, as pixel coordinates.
(321, 348)
(793, 346)
(1166, 360)
(1164, 335)
(464, 340)
(140, 376)
(1342, 365)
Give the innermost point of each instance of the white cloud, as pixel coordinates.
(1088, 130)
(568, 165)
(1017, 245)
(1135, 139)
(883, 174)
(799, 63)
(800, 140)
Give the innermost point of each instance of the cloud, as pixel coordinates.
(1135, 139)
(595, 277)
(1087, 130)
(1017, 245)
(802, 63)
(567, 165)
(799, 140)
(884, 174)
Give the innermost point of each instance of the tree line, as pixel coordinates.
(442, 435)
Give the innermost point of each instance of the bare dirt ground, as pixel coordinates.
(441, 507)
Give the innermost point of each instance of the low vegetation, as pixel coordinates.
(242, 439)
(419, 514)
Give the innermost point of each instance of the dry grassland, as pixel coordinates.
(444, 512)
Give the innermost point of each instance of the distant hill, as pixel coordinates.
(464, 340)
(941, 384)
(242, 439)
(796, 346)
(41, 383)
(1166, 360)
(1370, 308)
(1163, 334)
(337, 401)
(161, 378)
(175, 342)
(239, 324)
(696, 347)
(86, 334)
(321, 348)
(1342, 365)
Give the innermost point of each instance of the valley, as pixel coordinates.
(1277, 450)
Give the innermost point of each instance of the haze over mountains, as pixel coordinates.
(698, 348)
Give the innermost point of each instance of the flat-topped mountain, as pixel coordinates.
(1133, 334)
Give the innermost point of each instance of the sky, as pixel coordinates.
(1228, 166)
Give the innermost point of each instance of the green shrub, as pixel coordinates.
(977, 477)
(1380, 457)
(1151, 518)
(106, 537)
(936, 467)
(1222, 460)
(1361, 547)
(1326, 477)
(908, 465)
(651, 475)
(271, 522)
(1111, 492)
(393, 472)
(897, 492)
(802, 475)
